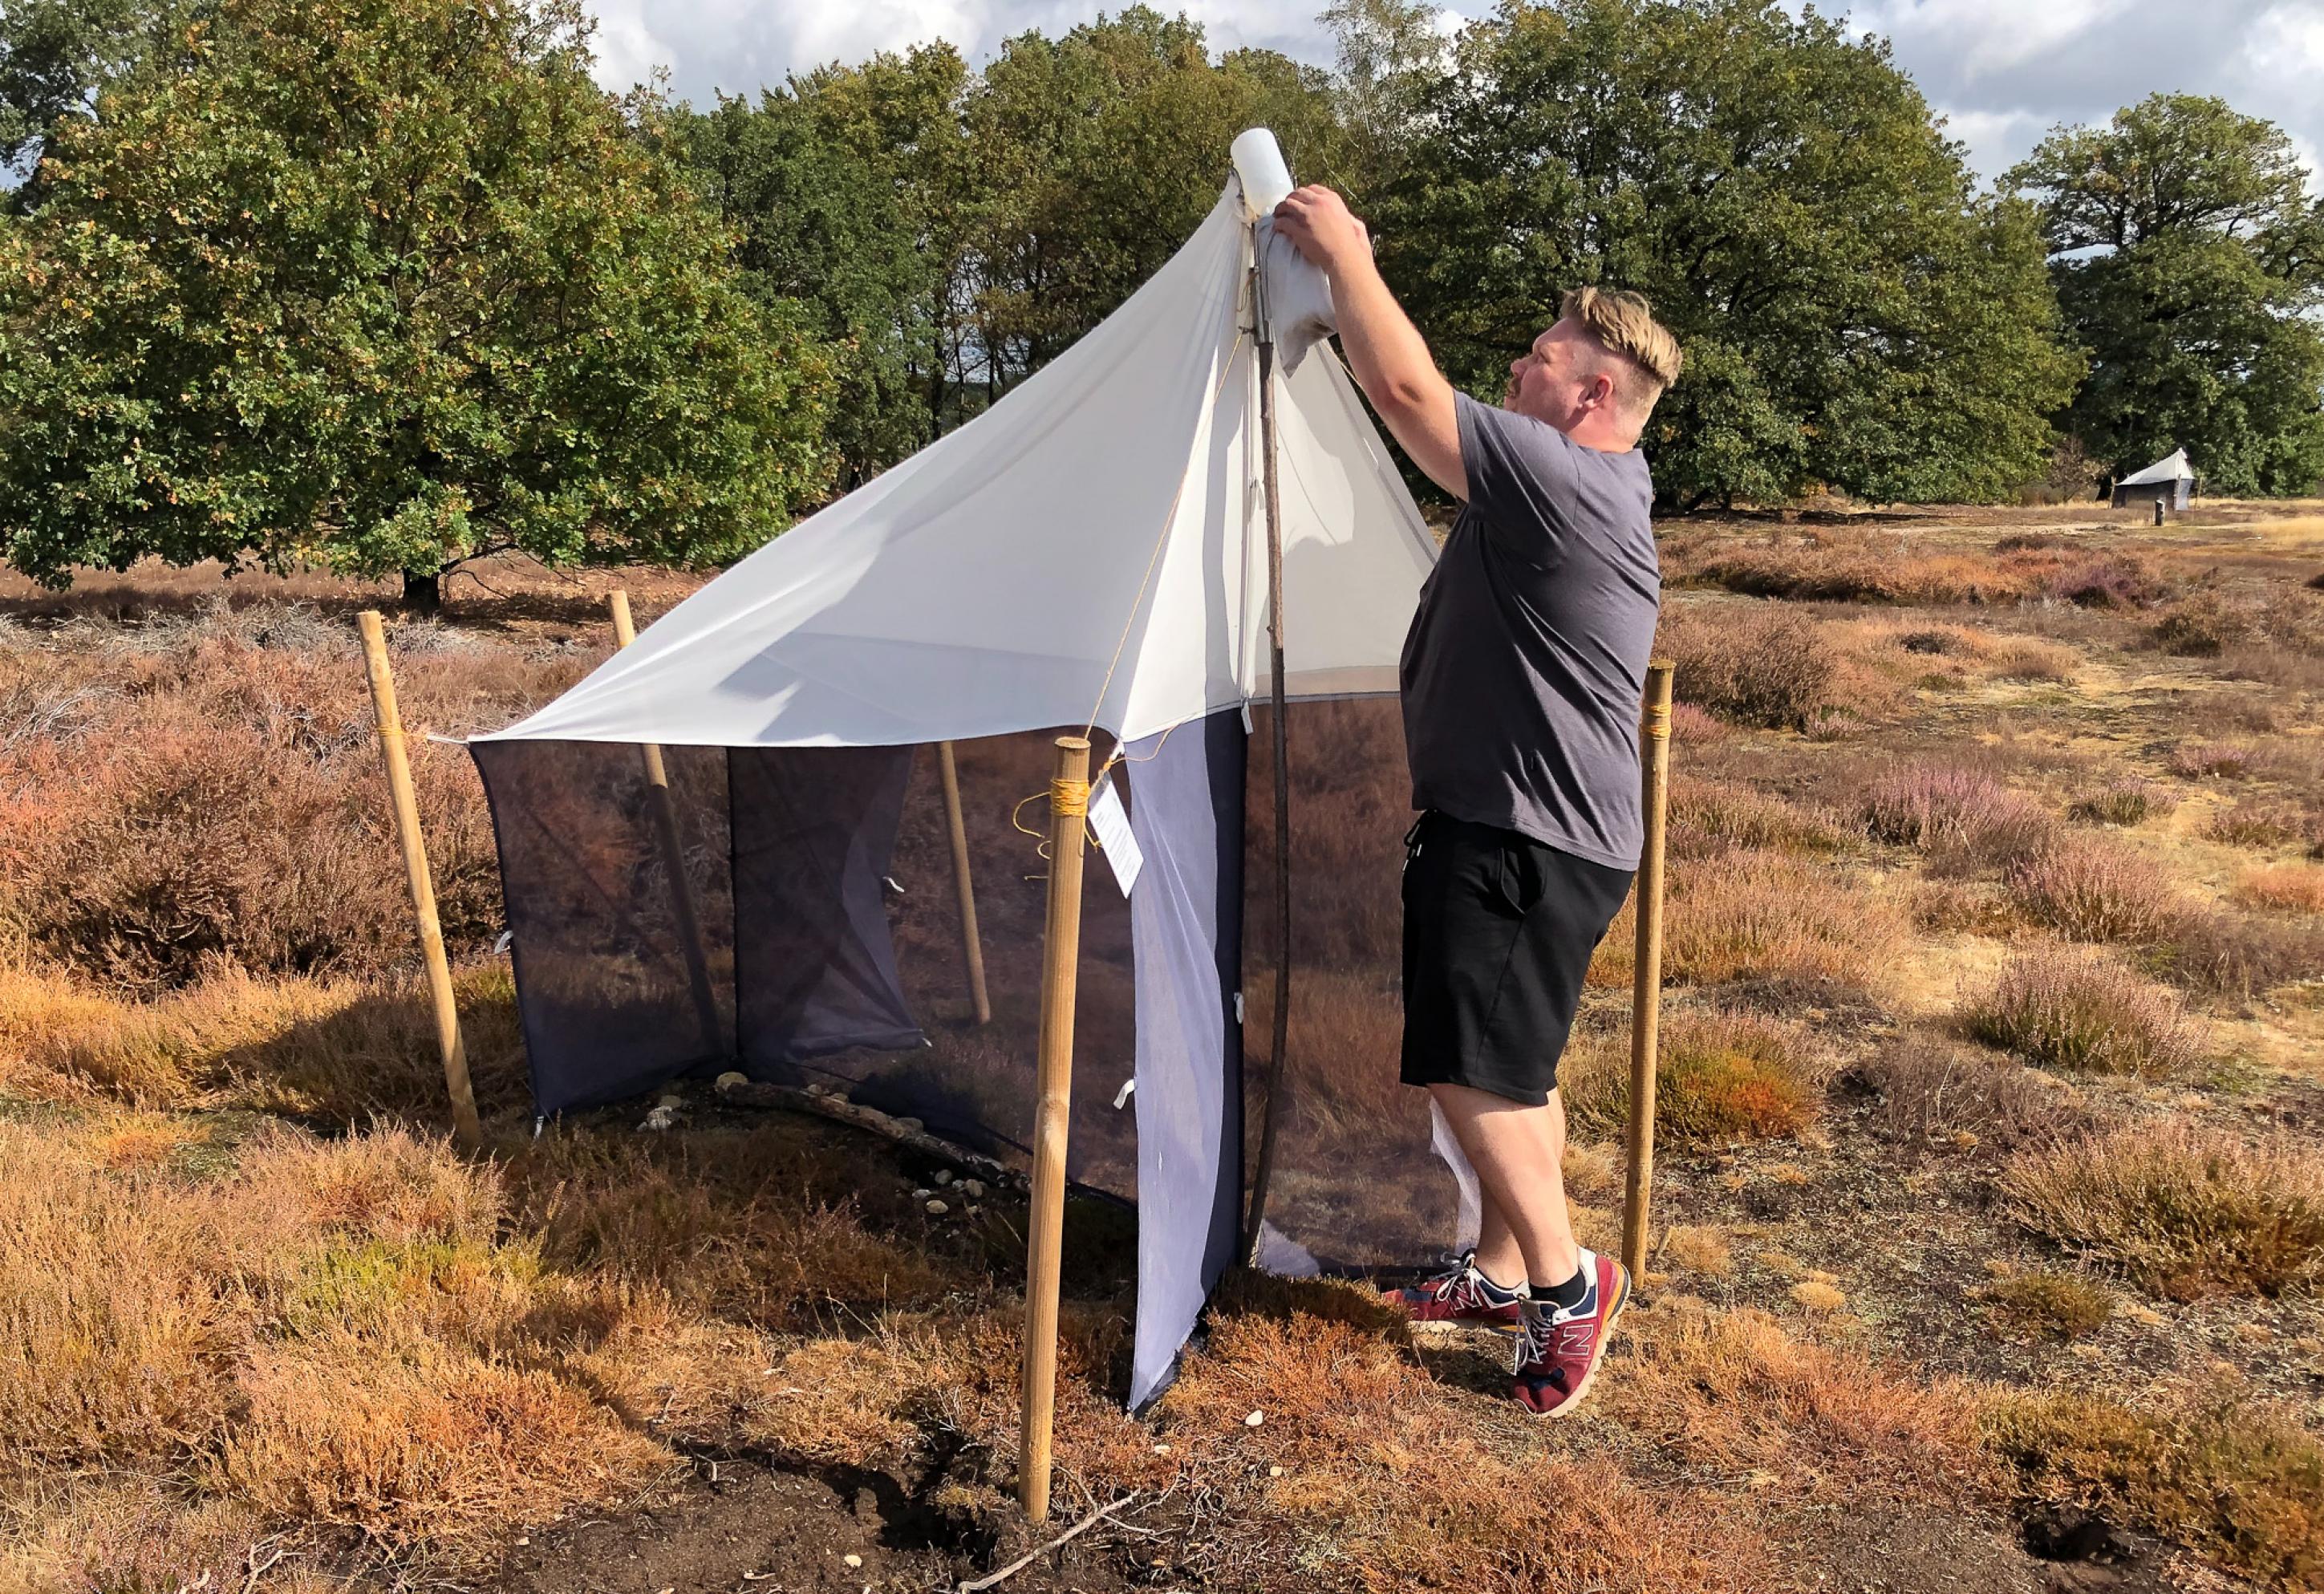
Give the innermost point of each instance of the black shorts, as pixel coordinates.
(1498, 933)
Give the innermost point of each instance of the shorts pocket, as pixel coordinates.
(1516, 878)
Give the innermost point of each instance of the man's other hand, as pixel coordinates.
(1322, 228)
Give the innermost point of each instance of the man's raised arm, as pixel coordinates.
(1385, 352)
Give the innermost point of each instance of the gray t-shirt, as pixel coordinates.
(1526, 665)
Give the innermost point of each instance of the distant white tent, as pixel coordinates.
(1090, 551)
(2169, 481)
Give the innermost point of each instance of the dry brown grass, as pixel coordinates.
(367, 1338)
(1854, 566)
(2184, 1211)
(342, 1050)
(1382, 1474)
(1755, 665)
(1734, 1391)
(2059, 1305)
(1717, 1079)
(2244, 1484)
(2288, 888)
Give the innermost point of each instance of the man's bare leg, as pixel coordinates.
(1517, 1151)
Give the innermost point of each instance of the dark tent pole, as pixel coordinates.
(664, 809)
(1271, 1123)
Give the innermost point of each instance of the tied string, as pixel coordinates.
(1068, 799)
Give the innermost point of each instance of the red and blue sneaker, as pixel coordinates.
(1462, 1295)
(1559, 1348)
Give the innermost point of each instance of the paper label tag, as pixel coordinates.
(1114, 838)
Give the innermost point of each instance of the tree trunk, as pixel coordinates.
(423, 592)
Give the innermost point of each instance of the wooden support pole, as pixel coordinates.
(392, 752)
(672, 842)
(1646, 969)
(1045, 1229)
(972, 945)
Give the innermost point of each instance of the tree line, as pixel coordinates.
(388, 285)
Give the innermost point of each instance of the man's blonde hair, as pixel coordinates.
(1624, 323)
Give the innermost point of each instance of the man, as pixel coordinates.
(1522, 679)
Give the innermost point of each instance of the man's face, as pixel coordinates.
(1559, 380)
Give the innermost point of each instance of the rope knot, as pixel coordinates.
(1069, 797)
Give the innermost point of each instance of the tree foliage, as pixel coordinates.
(56, 54)
(386, 284)
(1851, 314)
(953, 232)
(2189, 258)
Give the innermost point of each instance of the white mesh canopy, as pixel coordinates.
(1092, 548)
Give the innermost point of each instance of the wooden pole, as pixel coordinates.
(972, 945)
(1270, 1126)
(1068, 810)
(465, 1127)
(667, 834)
(1646, 970)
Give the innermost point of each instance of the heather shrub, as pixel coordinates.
(1930, 1095)
(2237, 955)
(1965, 818)
(226, 807)
(2127, 800)
(2090, 890)
(2212, 761)
(1756, 665)
(2112, 581)
(2032, 659)
(2269, 822)
(2065, 1008)
(2240, 1485)
(2185, 1210)
(1757, 915)
(1717, 1079)
(2202, 626)
(1709, 816)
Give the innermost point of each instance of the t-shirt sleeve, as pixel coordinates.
(1520, 472)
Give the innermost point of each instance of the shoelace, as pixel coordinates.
(1448, 1288)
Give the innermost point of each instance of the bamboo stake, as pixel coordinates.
(1045, 1230)
(1646, 970)
(1270, 1127)
(667, 834)
(465, 1127)
(971, 944)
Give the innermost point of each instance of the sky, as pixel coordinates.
(2001, 71)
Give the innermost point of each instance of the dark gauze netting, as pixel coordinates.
(831, 938)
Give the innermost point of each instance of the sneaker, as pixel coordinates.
(1462, 1295)
(1559, 1348)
